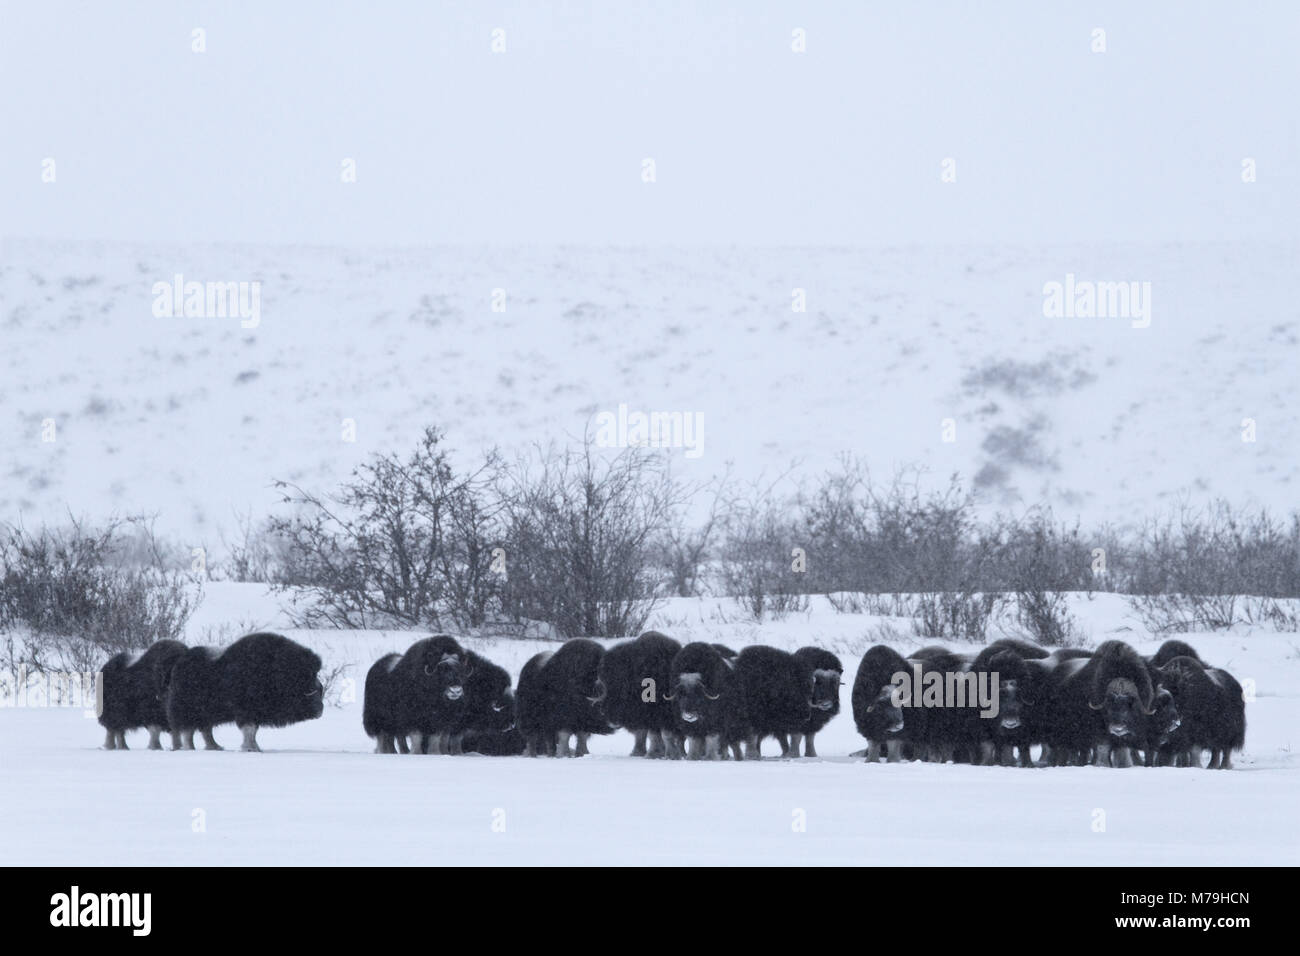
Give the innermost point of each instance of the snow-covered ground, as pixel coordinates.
(192, 418)
(318, 795)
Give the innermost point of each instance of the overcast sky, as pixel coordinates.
(751, 141)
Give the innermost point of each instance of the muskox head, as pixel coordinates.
(502, 712)
(884, 715)
(694, 701)
(1122, 708)
(1164, 719)
(1017, 693)
(444, 671)
(825, 694)
(298, 683)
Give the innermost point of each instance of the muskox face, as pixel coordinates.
(694, 701)
(884, 718)
(1121, 708)
(444, 674)
(1012, 701)
(1165, 719)
(825, 689)
(502, 712)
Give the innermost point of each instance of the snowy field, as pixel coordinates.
(318, 795)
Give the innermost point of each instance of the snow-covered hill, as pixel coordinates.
(193, 417)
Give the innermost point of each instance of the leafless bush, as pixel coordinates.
(71, 597)
(758, 565)
(955, 615)
(404, 541)
(579, 531)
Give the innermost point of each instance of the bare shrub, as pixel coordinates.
(404, 541)
(579, 531)
(756, 564)
(71, 597)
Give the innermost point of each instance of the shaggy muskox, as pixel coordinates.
(708, 700)
(489, 709)
(261, 680)
(1212, 712)
(419, 694)
(1017, 725)
(827, 674)
(134, 689)
(560, 696)
(876, 710)
(1099, 706)
(778, 696)
(636, 675)
(1171, 649)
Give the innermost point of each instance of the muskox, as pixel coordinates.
(1017, 725)
(877, 710)
(418, 695)
(489, 710)
(636, 675)
(1171, 649)
(827, 674)
(1099, 706)
(778, 696)
(261, 680)
(560, 696)
(134, 689)
(708, 700)
(1212, 712)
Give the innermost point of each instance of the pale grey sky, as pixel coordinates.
(752, 142)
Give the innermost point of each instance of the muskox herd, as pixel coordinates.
(698, 701)
(261, 680)
(1110, 707)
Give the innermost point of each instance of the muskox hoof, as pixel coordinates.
(110, 741)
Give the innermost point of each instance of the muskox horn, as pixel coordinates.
(601, 691)
(428, 671)
(668, 696)
(708, 695)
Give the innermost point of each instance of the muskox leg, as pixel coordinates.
(638, 744)
(581, 750)
(176, 740)
(402, 746)
(110, 740)
(562, 743)
(417, 742)
(1008, 755)
(713, 747)
(250, 739)
(444, 742)
(671, 744)
(187, 739)
(210, 742)
(655, 745)
(808, 749)
(695, 748)
(873, 751)
(1123, 757)
(893, 751)
(384, 743)
(155, 737)
(530, 746)
(785, 744)
(1225, 759)
(1194, 754)
(988, 755)
(456, 744)
(796, 741)
(754, 748)
(121, 740)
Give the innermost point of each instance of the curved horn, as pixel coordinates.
(710, 696)
(601, 692)
(871, 707)
(668, 696)
(1147, 710)
(1092, 706)
(428, 672)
